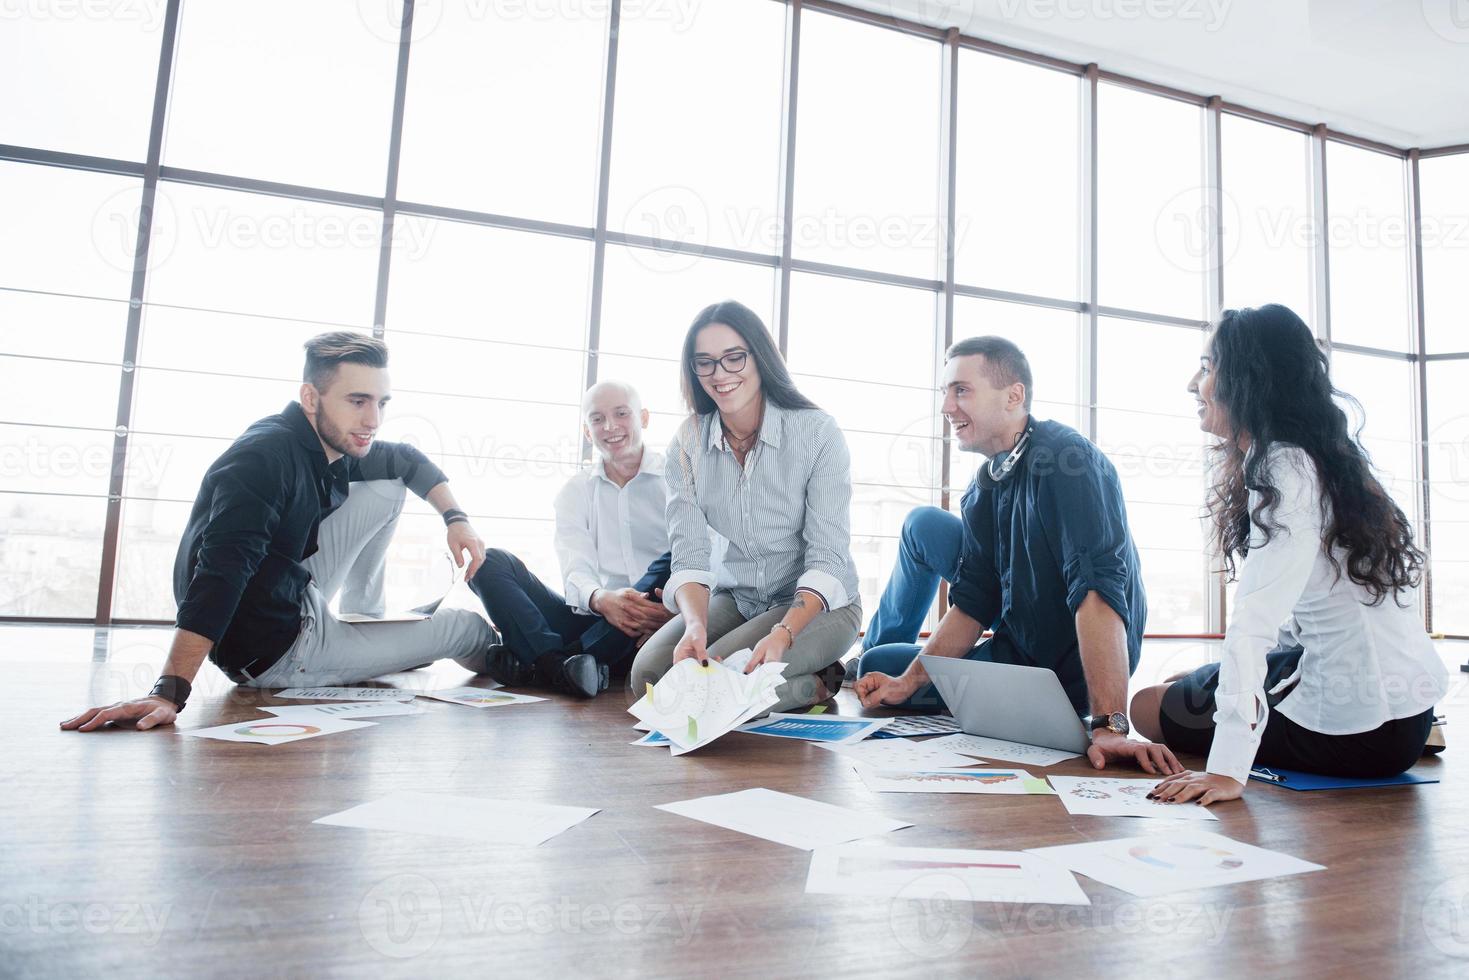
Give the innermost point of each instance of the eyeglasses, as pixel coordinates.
(733, 362)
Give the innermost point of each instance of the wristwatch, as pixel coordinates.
(1116, 722)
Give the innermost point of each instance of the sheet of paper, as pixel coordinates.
(1005, 782)
(1004, 750)
(479, 697)
(345, 694)
(1099, 797)
(652, 738)
(1173, 862)
(815, 728)
(277, 731)
(932, 873)
(472, 818)
(347, 709)
(900, 753)
(906, 726)
(693, 704)
(784, 819)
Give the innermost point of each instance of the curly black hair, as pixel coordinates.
(1272, 380)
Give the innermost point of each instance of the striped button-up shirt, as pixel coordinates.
(784, 518)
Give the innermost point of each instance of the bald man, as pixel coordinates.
(612, 542)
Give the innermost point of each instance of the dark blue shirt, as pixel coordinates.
(238, 577)
(1053, 531)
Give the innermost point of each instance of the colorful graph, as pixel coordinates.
(987, 778)
(1184, 856)
(487, 699)
(277, 730)
(1091, 793)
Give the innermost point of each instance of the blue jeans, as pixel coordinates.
(893, 658)
(536, 620)
(928, 550)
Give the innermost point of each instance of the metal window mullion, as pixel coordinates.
(1089, 292)
(112, 530)
(787, 180)
(948, 207)
(599, 228)
(1214, 578)
(390, 189)
(1424, 496)
(1320, 251)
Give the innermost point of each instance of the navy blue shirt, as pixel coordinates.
(238, 577)
(1037, 544)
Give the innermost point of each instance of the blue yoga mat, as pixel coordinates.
(1306, 781)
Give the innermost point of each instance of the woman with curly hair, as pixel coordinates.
(1326, 666)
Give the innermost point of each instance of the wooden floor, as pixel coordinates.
(149, 854)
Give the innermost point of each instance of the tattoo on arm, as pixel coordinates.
(799, 603)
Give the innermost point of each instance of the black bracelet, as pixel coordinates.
(455, 517)
(172, 687)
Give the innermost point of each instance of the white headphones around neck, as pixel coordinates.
(996, 470)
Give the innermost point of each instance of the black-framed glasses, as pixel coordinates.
(734, 362)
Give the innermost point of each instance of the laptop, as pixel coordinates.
(1021, 704)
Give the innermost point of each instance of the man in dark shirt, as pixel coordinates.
(299, 507)
(1045, 561)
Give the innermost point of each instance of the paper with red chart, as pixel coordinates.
(939, 874)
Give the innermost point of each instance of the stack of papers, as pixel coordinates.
(694, 704)
(351, 709)
(785, 819)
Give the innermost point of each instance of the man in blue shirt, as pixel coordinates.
(1045, 561)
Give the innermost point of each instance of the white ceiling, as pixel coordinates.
(1396, 71)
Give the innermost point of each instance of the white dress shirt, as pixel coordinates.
(783, 520)
(1363, 665)
(606, 535)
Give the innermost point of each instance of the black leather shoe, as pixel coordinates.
(577, 674)
(502, 665)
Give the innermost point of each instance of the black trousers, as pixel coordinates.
(535, 619)
(1186, 715)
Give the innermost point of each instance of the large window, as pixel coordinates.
(1266, 218)
(503, 291)
(1368, 237)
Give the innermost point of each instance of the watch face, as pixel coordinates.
(1117, 721)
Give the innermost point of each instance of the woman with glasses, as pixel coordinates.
(766, 473)
(1326, 667)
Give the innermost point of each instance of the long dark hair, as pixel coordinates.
(1271, 379)
(775, 381)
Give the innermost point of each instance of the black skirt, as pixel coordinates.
(1186, 715)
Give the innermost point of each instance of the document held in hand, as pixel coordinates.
(694, 704)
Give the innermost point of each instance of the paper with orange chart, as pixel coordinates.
(694, 704)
